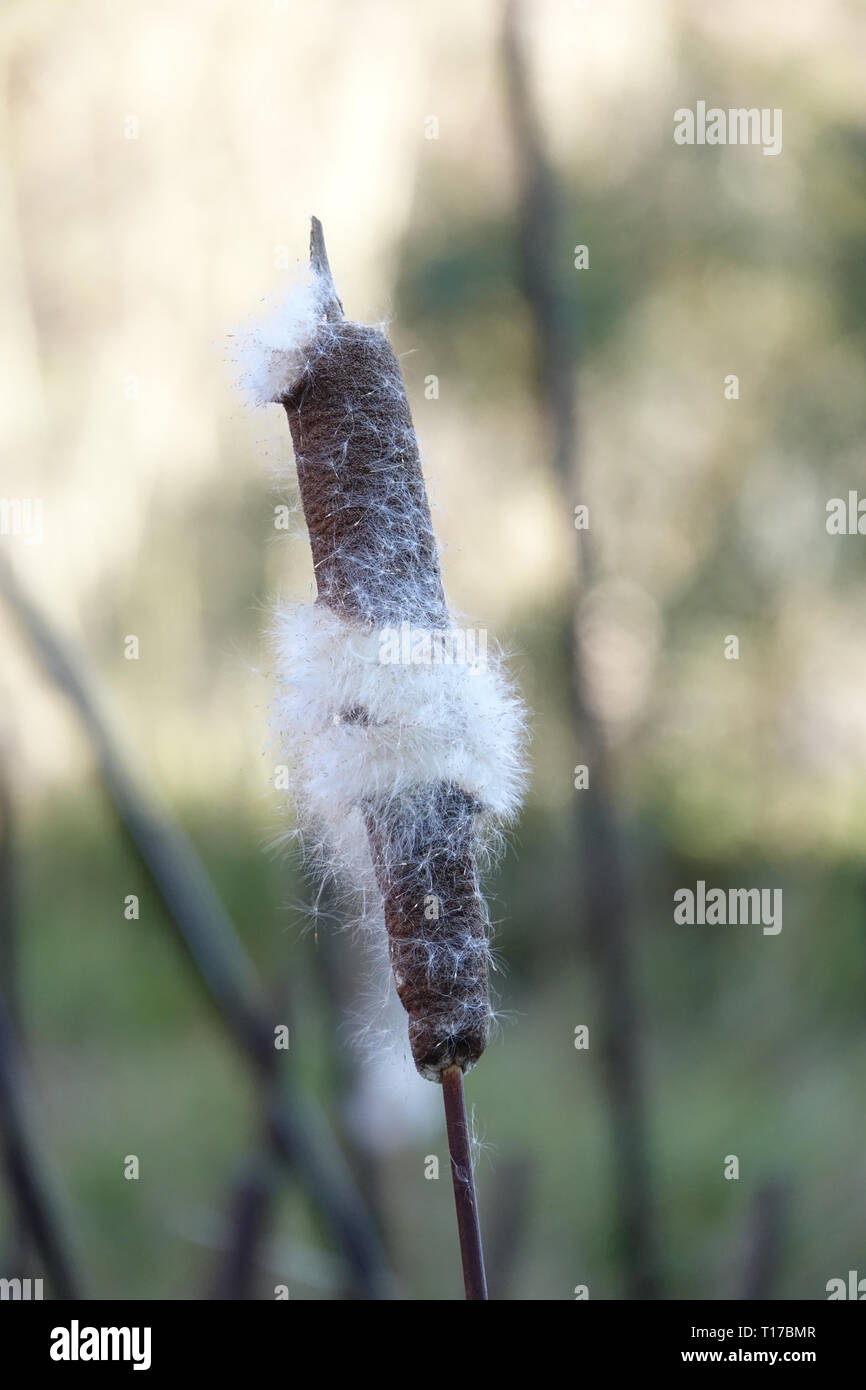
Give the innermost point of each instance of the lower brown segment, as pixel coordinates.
(423, 854)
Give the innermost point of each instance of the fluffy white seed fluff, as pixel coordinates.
(424, 724)
(271, 350)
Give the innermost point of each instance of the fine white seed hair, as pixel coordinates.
(271, 351)
(425, 722)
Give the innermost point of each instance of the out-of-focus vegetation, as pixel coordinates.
(126, 261)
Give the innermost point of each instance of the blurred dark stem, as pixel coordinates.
(335, 981)
(602, 886)
(210, 941)
(248, 1210)
(252, 1191)
(10, 981)
(506, 1225)
(32, 1187)
(768, 1219)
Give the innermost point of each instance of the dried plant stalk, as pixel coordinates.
(405, 771)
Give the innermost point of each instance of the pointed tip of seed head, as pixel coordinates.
(333, 309)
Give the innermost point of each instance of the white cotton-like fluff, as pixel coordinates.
(423, 724)
(271, 350)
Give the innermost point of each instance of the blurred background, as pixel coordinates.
(161, 165)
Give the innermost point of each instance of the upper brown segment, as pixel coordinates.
(361, 483)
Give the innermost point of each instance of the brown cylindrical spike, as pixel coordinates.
(376, 564)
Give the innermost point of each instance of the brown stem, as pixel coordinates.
(34, 1192)
(465, 1200)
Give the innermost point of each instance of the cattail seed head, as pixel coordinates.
(406, 771)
